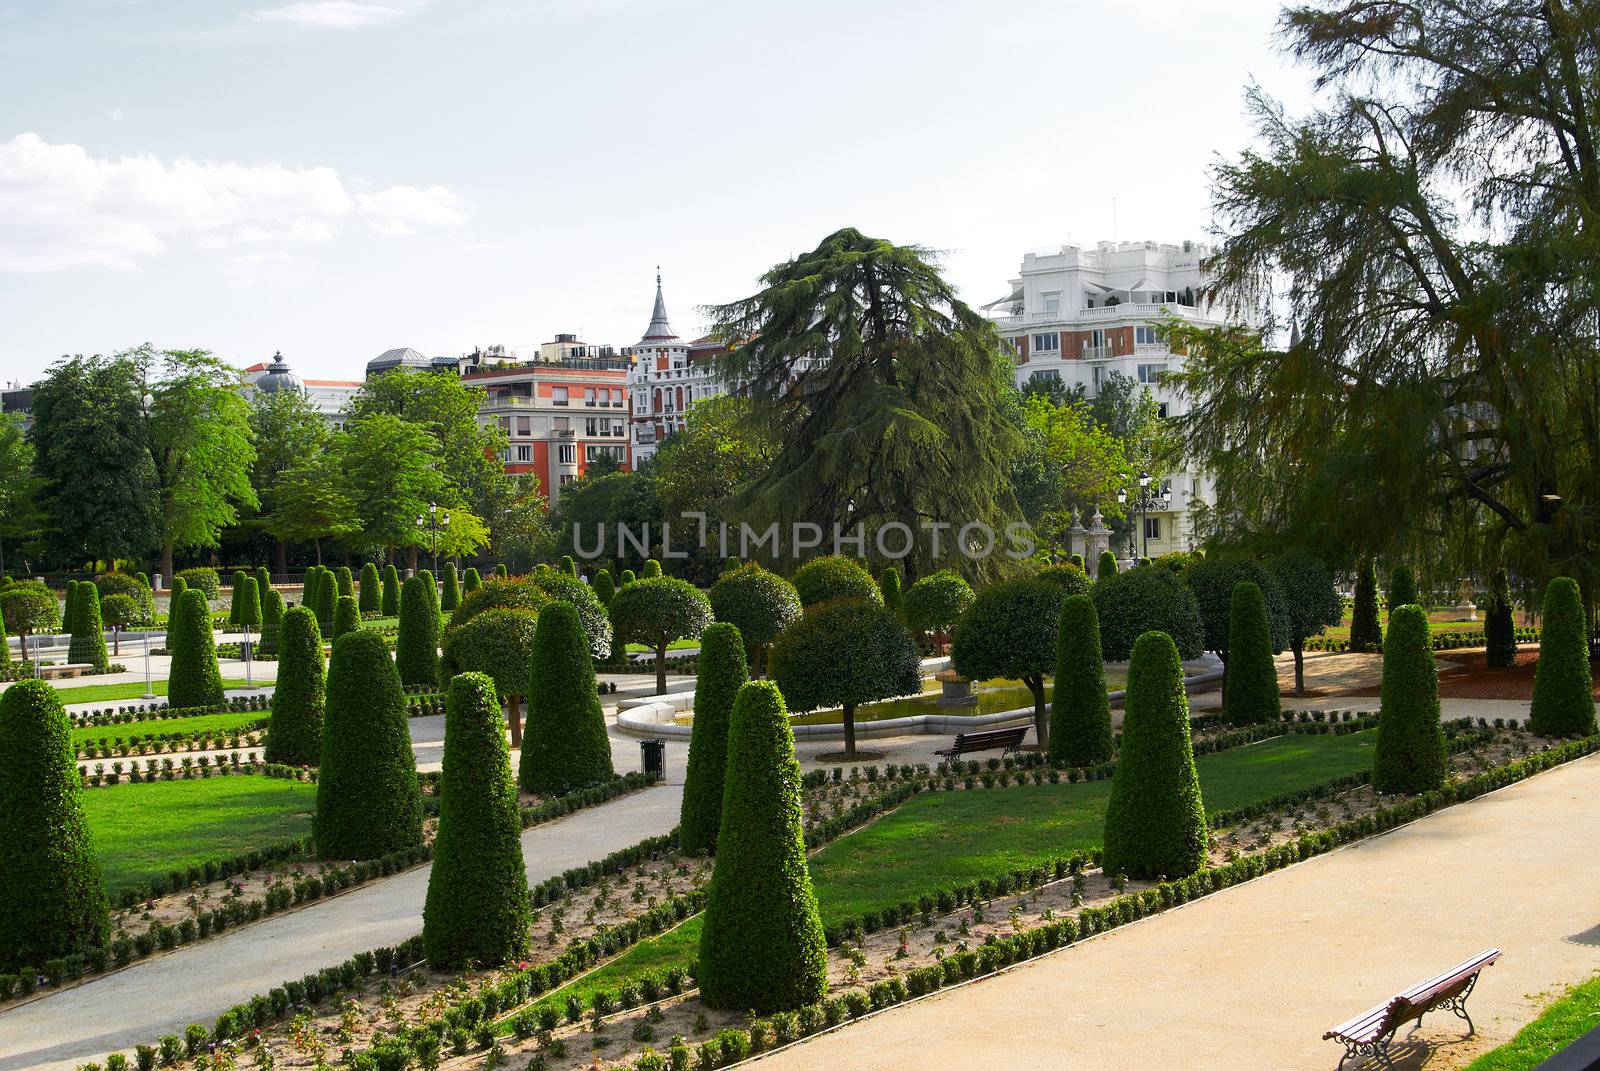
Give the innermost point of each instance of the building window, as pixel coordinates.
(588, 427)
(588, 397)
(558, 396)
(566, 478)
(1161, 410)
(505, 424)
(1145, 336)
(616, 428)
(1052, 375)
(1097, 338)
(524, 425)
(567, 454)
(1052, 301)
(1150, 373)
(616, 397)
(658, 400)
(561, 423)
(1049, 342)
(524, 454)
(1152, 527)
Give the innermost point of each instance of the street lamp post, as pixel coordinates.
(433, 522)
(1145, 503)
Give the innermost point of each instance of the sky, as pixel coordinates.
(333, 178)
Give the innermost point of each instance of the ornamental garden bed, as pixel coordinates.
(110, 693)
(220, 731)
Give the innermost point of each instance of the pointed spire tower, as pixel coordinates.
(660, 330)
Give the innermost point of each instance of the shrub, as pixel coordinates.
(346, 617)
(936, 602)
(179, 586)
(1155, 820)
(233, 601)
(117, 612)
(760, 604)
(477, 904)
(1402, 587)
(203, 578)
(843, 653)
(501, 570)
(1213, 581)
(347, 584)
(368, 800)
(1410, 756)
(1563, 688)
(390, 603)
(591, 611)
(604, 587)
(416, 649)
(722, 673)
(52, 898)
(835, 577)
(136, 588)
(271, 620)
(88, 643)
(1080, 710)
(499, 644)
(625, 578)
(1143, 600)
(1106, 566)
(1311, 603)
(889, 586)
(567, 565)
(564, 744)
(502, 594)
(1011, 632)
(1499, 627)
(450, 598)
(762, 946)
(650, 570)
(471, 582)
(28, 609)
(327, 598)
(656, 611)
(195, 679)
(247, 602)
(308, 590)
(263, 582)
(371, 592)
(1251, 696)
(1366, 634)
(294, 735)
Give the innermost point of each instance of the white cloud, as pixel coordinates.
(400, 210)
(62, 208)
(328, 14)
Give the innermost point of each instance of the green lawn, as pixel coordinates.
(200, 723)
(1562, 1023)
(145, 830)
(994, 697)
(942, 839)
(110, 693)
(675, 645)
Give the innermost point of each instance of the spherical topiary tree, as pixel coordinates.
(346, 617)
(936, 602)
(1410, 755)
(117, 612)
(1366, 633)
(656, 611)
(1402, 587)
(762, 947)
(722, 673)
(567, 565)
(52, 897)
(500, 593)
(1213, 580)
(1252, 694)
(416, 648)
(368, 800)
(327, 598)
(760, 604)
(389, 605)
(371, 591)
(604, 586)
(650, 569)
(1563, 686)
(471, 582)
(1106, 566)
(346, 584)
(204, 578)
(1155, 820)
(592, 612)
(477, 905)
(499, 644)
(110, 584)
(889, 585)
(294, 735)
(845, 652)
(233, 601)
(1499, 627)
(1311, 604)
(564, 743)
(835, 577)
(1142, 600)
(1073, 580)
(28, 609)
(1080, 709)
(271, 618)
(450, 597)
(195, 680)
(88, 643)
(1011, 632)
(625, 578)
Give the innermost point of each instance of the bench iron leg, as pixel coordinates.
(1459, 1005)
(1377, 1051)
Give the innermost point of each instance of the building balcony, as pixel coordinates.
(1128, 310)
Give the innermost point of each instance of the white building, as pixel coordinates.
(329, 397)
(1077, 315)
(666, 378)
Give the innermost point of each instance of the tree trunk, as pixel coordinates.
(166, 561)
(318, 544)
(1041, 717)
(661, 668)
(411, 558)
(1299, 669)
(849, 730)
(116, 642)
(514, 716)
(22, 641)
(280, 558)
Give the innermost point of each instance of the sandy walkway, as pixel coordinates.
(1251, 977)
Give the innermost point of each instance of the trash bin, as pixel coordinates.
(653, 757)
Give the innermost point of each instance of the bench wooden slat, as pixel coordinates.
(986, 740)
(1370, 1031)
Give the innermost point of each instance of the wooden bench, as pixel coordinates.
(986, 740)
(68, 669)
(1369, 1034)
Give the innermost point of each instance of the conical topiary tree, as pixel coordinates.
(1106, 566)
(263, 583)
(568, 566)
(239, 576)
(179, 586)
(1077, 560)
(1410, 755)
(1563, 687)
(308, 591)
(1252, 695)
(471, 582)
(450, 597)
(52, 897)
(722, 673)
(1156, 820)
(390, 604)
(625, 578)
(501, 570)
(195, 680)
(271, 618)
(1402, 587)
(477, 906)
(327, 598)
(347, 584)
(247, 608)
(88, 643)
(368, 800)
(294, 735)
(1499, 627)
(1080, 709)
(416, 648)
(889, 584)
(371, 592)
(346, 617)
(564, 743)
(604, 586)
(762, 947)
(1366, 633)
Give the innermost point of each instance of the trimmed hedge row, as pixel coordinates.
(189, 769)
(1441, 641)
(141, 744)
(160, 711)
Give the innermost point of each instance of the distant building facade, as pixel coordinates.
(666, 378)
(329, 397)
